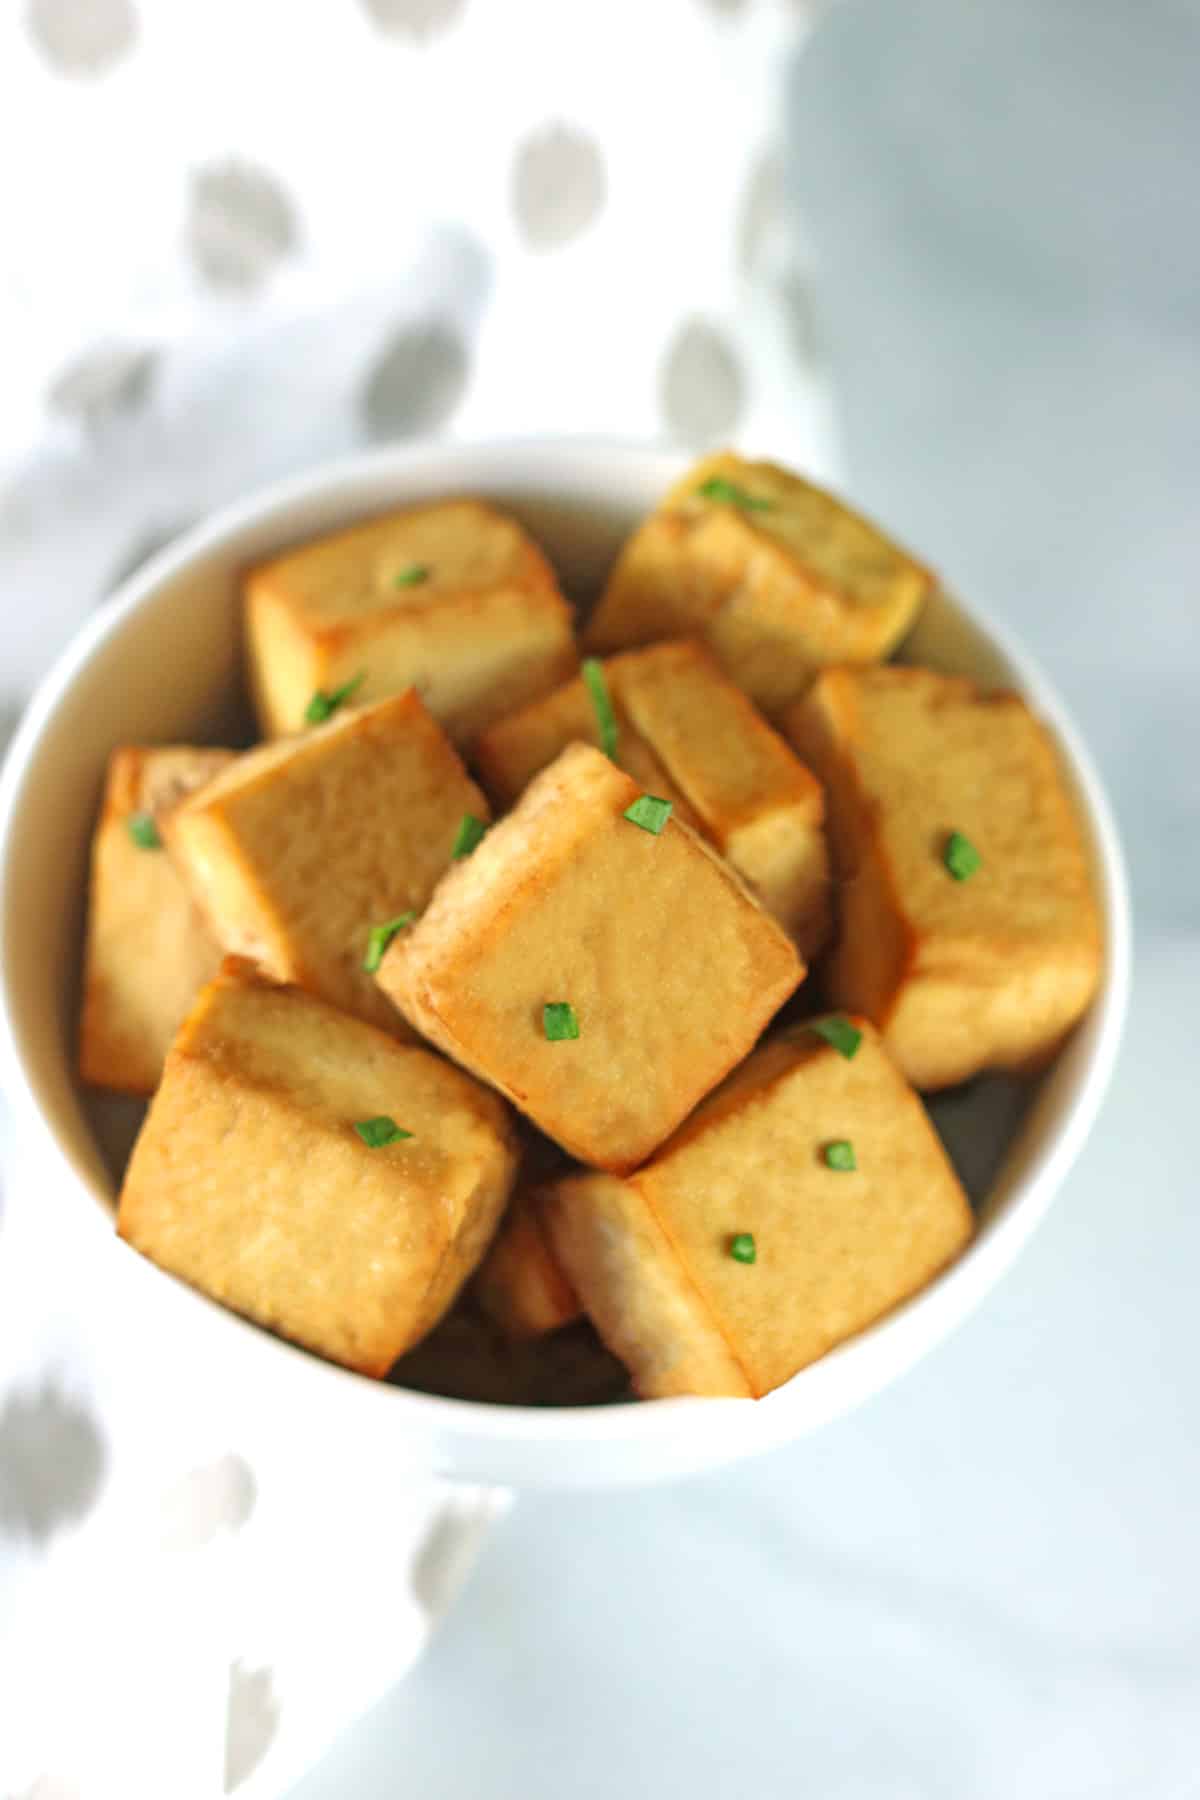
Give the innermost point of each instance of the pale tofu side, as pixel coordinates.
(636, 1291)
(521, 1284)
(454, 598)
(990, 972)
(669, 963)
(249, 1181)
(305, 844)
(834, 1250)
(148, 949)
(690, 735)
(779, 578)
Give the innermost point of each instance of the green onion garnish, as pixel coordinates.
(380, 937)
(143, 831)
(376, 1133)
(839, 1032)
(839, 1155)
(471, 832)
(729, 494)
(606, 718)
(413, 576)
(323, 705)
(961, 857)
(649, 812)
(742, 1247)
(559, 1021)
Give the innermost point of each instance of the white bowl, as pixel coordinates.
(159, 662)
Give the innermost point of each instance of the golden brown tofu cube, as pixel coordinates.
(251, 1182)
(454, 599)
(149, 950)
(521, 1285)
(684, 725)
(989, 970)
(778, 577)
(302, 846)
(568, 917)
(824, 1168)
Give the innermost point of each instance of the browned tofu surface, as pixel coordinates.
(960, 975)
(303, 845)
(521, 1285)
(250, 1182)
(779, 578)
(149, 950)
(835, 1249)
(453, 598)
(670, 965)
(688, 734)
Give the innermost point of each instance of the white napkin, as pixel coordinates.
(245, 238)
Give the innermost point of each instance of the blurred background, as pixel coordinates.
(945, 251)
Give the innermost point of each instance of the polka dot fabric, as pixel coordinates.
(246, 238)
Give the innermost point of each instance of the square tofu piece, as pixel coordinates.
(149, 950)
(986, 971)
(300, 847)
(761, 1165)
(778, 577)
(521, 1285)
(570, 919)
(250, 1182)
(721, 764)
(454, 599)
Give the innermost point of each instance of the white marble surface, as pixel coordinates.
(987, 1583)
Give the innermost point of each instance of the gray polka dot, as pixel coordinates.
(414, 18)
(702, 391)
(240, 223)
(558, 186)
(206, 1502)
(251, 1722)
(800, 315)
(416, 382)
(82, 37)
(762, 203)
(51, 1462)
(144, 546)
(102, 384)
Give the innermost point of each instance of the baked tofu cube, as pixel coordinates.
(251, 1181)
(521, 1285)
(778, 577)
(738, 782)
(602, 976)
(149, 951)
(961, 968)
(802, 1201)
(302, 846)
(454, 599)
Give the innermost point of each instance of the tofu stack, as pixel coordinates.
(458, 996)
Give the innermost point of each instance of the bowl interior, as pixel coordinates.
(160, 662)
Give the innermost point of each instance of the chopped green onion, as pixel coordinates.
(729, 494)
(649, 812)
(471, 833)
(961, 857)
(380, 937)
(838, 1031)
(559, 1021)
(143, 831)
(839, 1155)
(323, 705)
(377, 1133)
(413, 576)
(742, 1247)
(606, 718)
